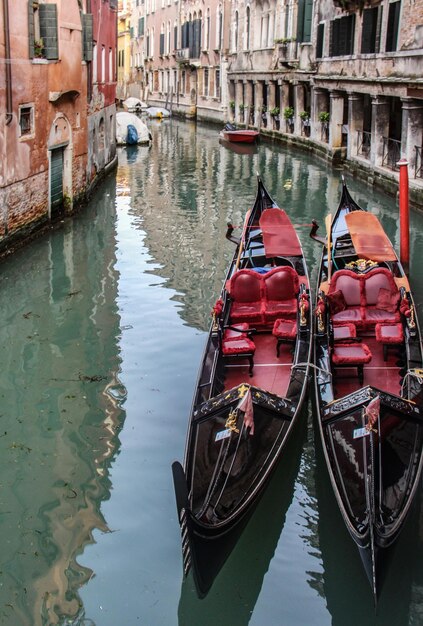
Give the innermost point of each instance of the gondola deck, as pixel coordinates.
(251, 386)
(368, 381)
(270, 373)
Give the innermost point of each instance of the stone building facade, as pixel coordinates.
(342, 78)
(46, 89)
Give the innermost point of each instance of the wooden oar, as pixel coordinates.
(242, 242)
(328, 223)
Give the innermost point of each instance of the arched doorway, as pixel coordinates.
(60, 166)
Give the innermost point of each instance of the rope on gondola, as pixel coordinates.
(416, 373)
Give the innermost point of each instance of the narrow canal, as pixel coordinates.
(102, 327)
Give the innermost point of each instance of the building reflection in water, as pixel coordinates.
(61, 411)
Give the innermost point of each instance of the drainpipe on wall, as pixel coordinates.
(9, 114)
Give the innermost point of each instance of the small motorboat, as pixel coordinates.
(368, 381)
(251, 386)
(239, 135)
(134, 105)
(157, 112)
(130, 130)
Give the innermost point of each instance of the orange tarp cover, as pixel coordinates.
(369, 238)
(279, 236)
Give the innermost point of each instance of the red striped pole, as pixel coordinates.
(404, 215)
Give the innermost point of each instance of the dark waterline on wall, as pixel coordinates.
(102, 329)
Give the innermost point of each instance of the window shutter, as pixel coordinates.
(393, 23)
(368, 35)
(300, 20)
(31, 31)
(175, 37)
(378, 28)
(48, 30)
(308, 15)
(319, 42)
(87, 32)
(141, 26)
(162, 42)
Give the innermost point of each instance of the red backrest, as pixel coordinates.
(374, 281)
(245, 286)
(349, 283)
(281, 283)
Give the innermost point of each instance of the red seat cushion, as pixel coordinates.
(344, 331)
(351, 354)
(240, 333)
(375, 316)
(351, 314)
(336, 302)
(245, 289)
(387, 301)
(238, 346)
(285, 328)
(389, 333)
(281, 283)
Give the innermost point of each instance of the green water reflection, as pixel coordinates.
(102, 327)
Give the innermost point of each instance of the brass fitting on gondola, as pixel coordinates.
(320, 309)
(231, 421)
(412, 319)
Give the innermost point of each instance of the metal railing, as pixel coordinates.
(182, 54)
(391, 153)
(418, 165)
(364, 142)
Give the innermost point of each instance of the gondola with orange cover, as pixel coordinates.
(251, 386)
(368, 380)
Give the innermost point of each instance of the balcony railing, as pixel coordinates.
(391, 153)
(418, 167)
(364, 142)
(182, 55)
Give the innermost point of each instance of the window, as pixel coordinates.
(42, 29)
(103, 64)
(217, 84)
(26, 120)
(87, 33)
(305, 15)
(393, 24)
(207, 31)
(342, 36)
(319, 42)
(247, 28)
(206, 81)
(110, 65)
(370, 37)
(175, 36)
(236, 31)
(141, 27)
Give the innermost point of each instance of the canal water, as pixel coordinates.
(102, 327)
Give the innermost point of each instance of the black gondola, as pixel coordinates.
(251, 385)
(368, 380)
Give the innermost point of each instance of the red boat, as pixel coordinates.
(243, 135)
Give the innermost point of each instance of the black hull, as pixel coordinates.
(374, 468)
(229, 457)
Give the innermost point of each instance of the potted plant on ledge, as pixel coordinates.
(275, 115)
(288, 114)
(324, 120)
(241, 111)
(305, 123)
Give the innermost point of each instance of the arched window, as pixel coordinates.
(236, 31)
(207, 30)
(264, 34)
(168, 38)
(247, 28)
(219, 26)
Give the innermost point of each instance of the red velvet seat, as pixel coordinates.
(281, 286)
(389, 335)
(351, 355)
(237, 331)
(344, 331)
(285, 330)
(245, 289)
(361, 293)
(240, 348)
